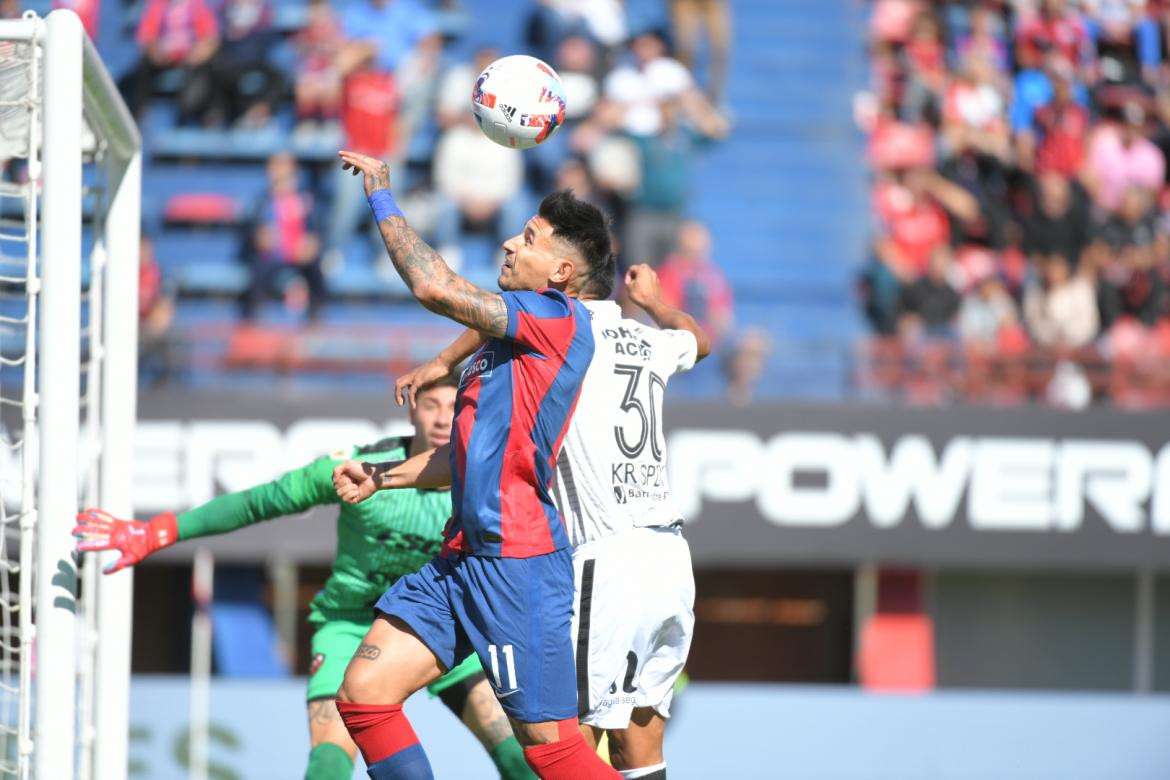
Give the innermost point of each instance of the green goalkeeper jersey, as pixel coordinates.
(392, 533)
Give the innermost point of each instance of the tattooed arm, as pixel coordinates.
(357, 480)
(436, 286)
(430, 279)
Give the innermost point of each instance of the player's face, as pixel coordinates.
(535, 259)
(432, 415)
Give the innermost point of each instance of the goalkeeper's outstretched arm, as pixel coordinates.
(294, 491)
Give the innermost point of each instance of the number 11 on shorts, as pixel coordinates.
(509, 664)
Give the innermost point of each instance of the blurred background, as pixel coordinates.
(926, 470)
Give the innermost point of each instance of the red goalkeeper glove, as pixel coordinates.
(98, 530)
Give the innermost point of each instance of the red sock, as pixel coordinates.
(380, 730)
(568, 759)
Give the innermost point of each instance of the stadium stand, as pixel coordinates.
(790, 255)
(1020, 251)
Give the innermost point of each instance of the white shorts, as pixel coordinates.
(633, 619)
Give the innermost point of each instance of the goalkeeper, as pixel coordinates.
(378, 541)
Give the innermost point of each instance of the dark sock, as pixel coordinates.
(508, 757)
(328, 761)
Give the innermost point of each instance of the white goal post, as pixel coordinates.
(75, 118)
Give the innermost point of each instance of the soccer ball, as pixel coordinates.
(518, 102)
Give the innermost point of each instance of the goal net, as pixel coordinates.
(69, 226)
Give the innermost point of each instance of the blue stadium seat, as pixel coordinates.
(480, 255)
(180, 252)
(196, 311)
(786, 194)
(244, 182)
(211, 277)
(244, 636)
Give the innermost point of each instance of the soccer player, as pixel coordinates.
(635, 588)
(503, 585)
(377, 542)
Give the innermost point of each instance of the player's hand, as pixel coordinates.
(409, 383)
(354, 481)
(642, 284)
(98, 530)
(377, 173)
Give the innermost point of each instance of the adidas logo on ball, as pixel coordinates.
(512, 99)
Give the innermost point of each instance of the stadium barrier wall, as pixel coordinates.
(773, 484)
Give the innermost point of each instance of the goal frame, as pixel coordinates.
(78, 95)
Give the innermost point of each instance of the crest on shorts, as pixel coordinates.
(315, 663)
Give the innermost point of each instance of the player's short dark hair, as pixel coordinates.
(586, 228)
(450, 380)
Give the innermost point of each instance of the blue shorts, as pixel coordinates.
(515, 613)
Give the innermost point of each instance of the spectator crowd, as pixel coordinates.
(393, 78)
(1020, 192)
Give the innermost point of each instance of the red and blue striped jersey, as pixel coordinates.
(516, 397)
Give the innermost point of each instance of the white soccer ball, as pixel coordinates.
(518, 101)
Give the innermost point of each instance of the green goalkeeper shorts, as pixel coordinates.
(335, 642)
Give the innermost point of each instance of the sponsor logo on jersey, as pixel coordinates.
(639, 482)
(480, 366)
(315, 663)
(638, 494)
(640, 475)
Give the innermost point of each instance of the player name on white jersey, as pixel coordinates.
(611, 473)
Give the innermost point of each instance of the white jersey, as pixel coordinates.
(611, 473)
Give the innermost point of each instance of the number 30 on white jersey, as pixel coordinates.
(611, 474)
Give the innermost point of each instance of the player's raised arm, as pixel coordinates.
(406, 386)
(357, 480)
(430, 279)
(642, 283)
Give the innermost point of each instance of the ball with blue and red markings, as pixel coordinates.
(518, 101)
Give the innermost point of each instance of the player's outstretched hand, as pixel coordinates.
(377, 173)
(642, 284)
(98, 530)
(354, 481)
(408, 384)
